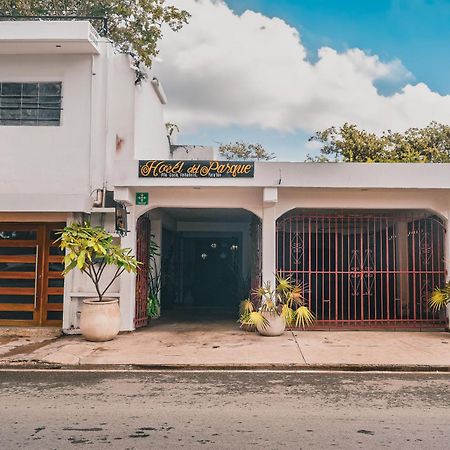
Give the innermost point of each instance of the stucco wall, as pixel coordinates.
(48, 159)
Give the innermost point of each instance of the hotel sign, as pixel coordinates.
(196, 169)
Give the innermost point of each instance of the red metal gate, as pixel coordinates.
(364, 270)
(143, 234)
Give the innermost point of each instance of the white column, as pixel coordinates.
(270, 198)
(447, 263)
(447, 247)
(128, 280)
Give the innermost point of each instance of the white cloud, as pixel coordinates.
(251, 70)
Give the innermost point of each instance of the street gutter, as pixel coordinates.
(42, 366)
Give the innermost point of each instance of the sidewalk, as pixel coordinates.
(224, 345)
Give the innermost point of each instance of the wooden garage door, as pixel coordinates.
(31, 284)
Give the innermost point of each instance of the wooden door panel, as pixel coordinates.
(30, 262)
(19, 260)
(52, 296)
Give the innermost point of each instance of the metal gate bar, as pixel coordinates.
(143, 236)
(362, 269)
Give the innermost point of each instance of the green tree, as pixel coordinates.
(134, 26)
(91, 250)
(236, 151)
(349, 144)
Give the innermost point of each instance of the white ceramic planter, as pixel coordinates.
(100, 321)
(275, 327)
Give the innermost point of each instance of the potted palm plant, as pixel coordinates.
(274, 308)
(90, 250)
(439, 299)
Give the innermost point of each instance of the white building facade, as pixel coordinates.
(367, 241)
(69, 109)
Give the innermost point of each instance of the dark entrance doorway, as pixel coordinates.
(209, 260)
(211, 272)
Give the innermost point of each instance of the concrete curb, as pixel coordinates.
(41, 365)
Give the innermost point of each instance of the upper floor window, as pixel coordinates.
(30, 103)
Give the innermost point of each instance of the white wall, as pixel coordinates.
(48, 159)
(150, 136)
(105, 117)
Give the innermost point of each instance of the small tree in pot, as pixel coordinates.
(91, 250)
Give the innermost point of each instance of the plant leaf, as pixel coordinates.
(439, 298)
(257, 319)
(304, 317)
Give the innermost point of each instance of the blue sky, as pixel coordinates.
(414, 33)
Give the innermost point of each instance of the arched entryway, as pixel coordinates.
(364, 269)
(208, 261)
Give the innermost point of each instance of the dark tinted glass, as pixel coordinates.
(17, 267)
(30, 103)
(55, 299)
(54, 315)
(56, 251)
(14, 283)
(16, 315)
(56, 267)
(22, 251)
(56, 282)
(24, 299)
(22, 235)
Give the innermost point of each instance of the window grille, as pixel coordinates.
(35, 104)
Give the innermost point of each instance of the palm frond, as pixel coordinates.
(268, 305)
(283, 284)
(288, 315)
(304, 317)
(439, 298)
(246, 306)
(257, 319)
(297, 295)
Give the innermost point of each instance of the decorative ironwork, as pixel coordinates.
(297, 247)
(363, 269)
(99, 23)
(143, 235)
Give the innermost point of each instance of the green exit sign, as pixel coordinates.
(141, 198)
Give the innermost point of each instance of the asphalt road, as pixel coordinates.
(158, 410)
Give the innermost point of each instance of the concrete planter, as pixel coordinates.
(100, 321)
(276, 325)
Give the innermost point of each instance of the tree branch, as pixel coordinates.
(119, 272)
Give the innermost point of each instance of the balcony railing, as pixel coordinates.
(98, 22)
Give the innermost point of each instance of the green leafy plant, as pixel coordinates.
(153, 307)
(91, 250)
(286, 300)
(154, 281)
(348, 143)
(440, 297)
(243, 151)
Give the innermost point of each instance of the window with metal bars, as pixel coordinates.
(33, 104)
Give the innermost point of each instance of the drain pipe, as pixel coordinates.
(98, 202)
